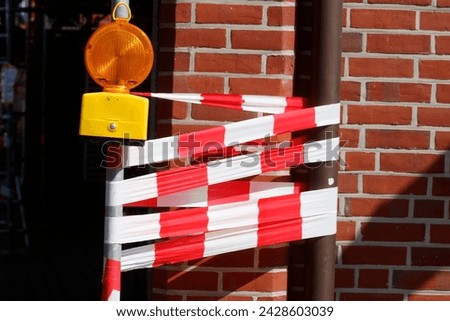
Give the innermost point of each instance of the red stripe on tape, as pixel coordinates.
(223, 100)
(203, 141)
(179, 250)
(280, 232)
(152, 202)
(228, 192)
(298, 120)
(279, 208)
(111, 278)
(181, 179)
(281, 158)
(183, 222)
(294, 103)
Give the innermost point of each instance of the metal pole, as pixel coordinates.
(114, 172)
(112, 252)
(327, 34)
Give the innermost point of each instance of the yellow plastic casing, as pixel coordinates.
(114, 115)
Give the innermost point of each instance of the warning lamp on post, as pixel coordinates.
(118, 56)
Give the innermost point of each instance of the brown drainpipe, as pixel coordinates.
(325, 89)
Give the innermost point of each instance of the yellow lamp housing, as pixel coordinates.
(114, 115)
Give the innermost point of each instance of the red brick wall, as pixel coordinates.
(393, 222)
(394, 185)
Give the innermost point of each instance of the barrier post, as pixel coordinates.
(325, 89)
(112, 252)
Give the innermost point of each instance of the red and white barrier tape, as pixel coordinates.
(254, 103)
(226, 216)
(227, 192)
(220, 137)
(194, 176)
(257, 223)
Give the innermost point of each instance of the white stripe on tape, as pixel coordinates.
(266, 104)
(230, 240)
(248, 130)
(321, 151)
(134, 228)
(131, 190)
(152, 151)
(141, 257)
(328, 114)
(233, 168)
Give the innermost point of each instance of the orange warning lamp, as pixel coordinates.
(118, 57)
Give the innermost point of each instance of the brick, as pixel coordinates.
(374, 279)
(348, 183)
(443, 93)
(426, 256)
(443, 45)
(382, 19)
(351, 90)
(405, 2)
(193, 37)
(346, 231)
(435, 20)
(441, 186)
(434, 69)
(262, 40)
(442, 141)
(398, 139)
(173, 61)
(440, 234)
(283, 65)
(193, 84)
(351, 42)
(370, 297)
(344, 278)
(428, 297)
(219, 114)
(261, 86)
(381, 255)
(376, 207)
(349, 137)
(390, 184)
(171, 110)
(175, 12)
(359, 161)
(433, 116)
(398, 92)
(180, 280)
(422, 280)
(269, 257)
(381, 67)
(244, 259)
(281, 16)
(228, 14)
(443, 3)
(392, 232)
(412, 163)
(228, 63)
(254, 281)
(429, 208)
(386, 115)
(399, 43)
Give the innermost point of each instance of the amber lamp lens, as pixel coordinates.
(119, 56)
